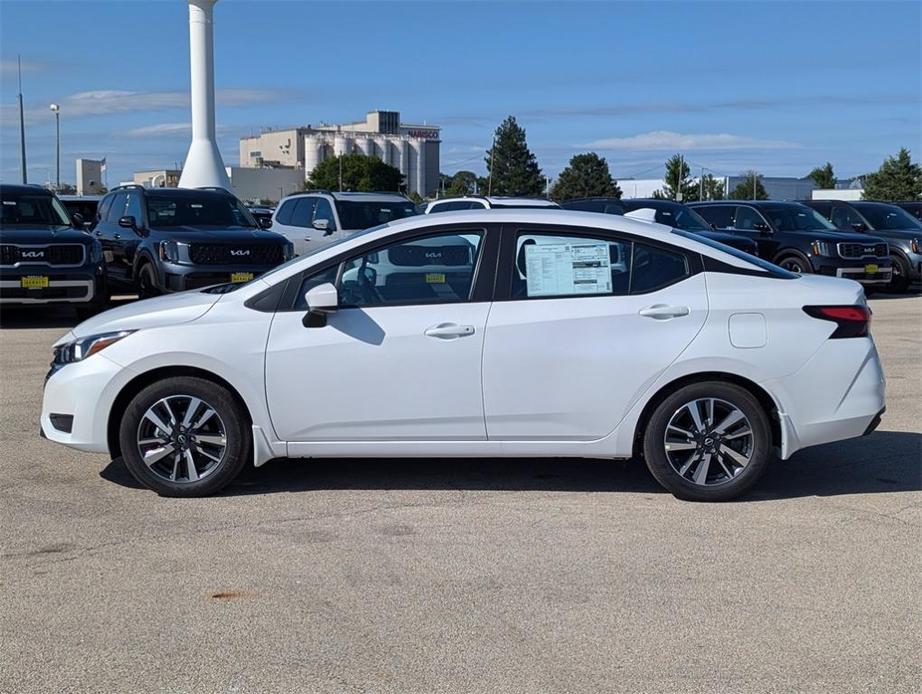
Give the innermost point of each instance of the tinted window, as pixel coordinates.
(846, 218)
(888, 217)
(676, 216)
(560, 266)
(207, 210)
(324, 211)
(133, 207)
(654, 268)
(117, 210)
(104, 208)
(362, 215)
(302, 212)
(737, 253)
(721, 216)
(32, 208)
(794, 218)
(748, 218)
(428, 270)
(284, 213)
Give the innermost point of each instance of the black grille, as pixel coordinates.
(204, 254)
(863, 250)
(62, 254)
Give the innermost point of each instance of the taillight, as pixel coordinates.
(851, 321)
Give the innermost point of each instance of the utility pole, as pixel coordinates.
(492, 155)
(754, 194)
(22, 127)
(340, 173)
(679, 171)
(56, 110)
(701, 181)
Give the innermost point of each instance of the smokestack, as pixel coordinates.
(203, 165)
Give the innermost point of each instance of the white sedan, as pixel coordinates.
(525, 333)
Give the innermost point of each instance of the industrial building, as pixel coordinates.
(414, 149)
(777, 187)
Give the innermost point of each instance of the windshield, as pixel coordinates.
(737, 253)
(674, 216)
(362, 215)
(208, 210)
(24, 209)
(795, 218)
(884, 217)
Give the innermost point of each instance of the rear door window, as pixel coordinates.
(720, 216)
(749, 219)
(303, 212)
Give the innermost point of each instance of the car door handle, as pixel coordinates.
(664, 312)
(448, 331)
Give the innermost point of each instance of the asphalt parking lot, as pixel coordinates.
(462, 576)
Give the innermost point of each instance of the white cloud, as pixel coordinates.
(668, 140)
(11, 67)
(161, 130)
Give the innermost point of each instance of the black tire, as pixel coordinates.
(899, 280)
(795, 262)
(147, 282)
(760, 452)
(229, 413)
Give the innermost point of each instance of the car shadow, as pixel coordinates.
(38, 316)
(886, 461)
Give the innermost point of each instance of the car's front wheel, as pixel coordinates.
(184, 436)
(708, 441)
(899, 280)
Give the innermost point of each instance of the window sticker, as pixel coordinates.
(568, 268)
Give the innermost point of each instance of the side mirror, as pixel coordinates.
(321, 224)
(76, 220)
(859, 227)
(321, 301)
(764, 228)
(264, 222)
(128, 222)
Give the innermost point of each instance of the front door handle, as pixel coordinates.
(448, 331)
(664, 312)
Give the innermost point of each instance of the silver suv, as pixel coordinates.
(318, 217)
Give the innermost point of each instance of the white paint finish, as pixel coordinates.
(375, 374)
(571, 368)
(747, 330)
(203, 165)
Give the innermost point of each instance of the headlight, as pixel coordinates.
(916, 246)
(169, 251)
(823, 248)
(78, 350)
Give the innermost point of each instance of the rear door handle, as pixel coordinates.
(664, 312)
(448, 331)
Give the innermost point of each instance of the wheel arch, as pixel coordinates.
(137, 384)
(141, 257)
(765, 400)
(791, 252)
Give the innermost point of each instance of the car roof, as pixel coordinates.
(356, 196)
(180, 192)
(502, 200)
(752, 203)
(80, 198)
(23, 188)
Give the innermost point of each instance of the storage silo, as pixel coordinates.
(403, 158)
(366, 145)
(419, 154)
(313, 153)
(384, 149)
(342, 144)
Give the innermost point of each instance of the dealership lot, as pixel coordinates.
(445, 575)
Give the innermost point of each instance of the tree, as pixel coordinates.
(462, 183)
(587, 175)
(511, 167)
(823, 177)
(358, 172)
(677, 179)
(713, 189)
(898, 178)
(744, 190)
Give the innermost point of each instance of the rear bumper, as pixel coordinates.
(839, 394)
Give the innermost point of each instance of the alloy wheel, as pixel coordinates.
(793, 265)
(181, 438)
(708, 441)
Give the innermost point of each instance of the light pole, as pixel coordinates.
(56, 109)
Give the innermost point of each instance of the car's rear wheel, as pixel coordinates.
(899, 280)
(184, 437)
(147, 282)
(796, 263)
(708, 441)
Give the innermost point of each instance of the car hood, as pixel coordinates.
(839, 236)
(170, 309)
(187, 234)
(43, 234)
(904, 234)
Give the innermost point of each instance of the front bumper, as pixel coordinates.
(173, 277)
(856, 270)
(80, 286)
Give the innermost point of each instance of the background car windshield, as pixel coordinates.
(795, 218)
(32, 209)
(737, 253)
(362, 215)
(888, 217)
(217, 210)
(676, 217)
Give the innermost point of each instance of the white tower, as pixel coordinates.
(203, 165)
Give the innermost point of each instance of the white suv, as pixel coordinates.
(486, 202)
(317, 217)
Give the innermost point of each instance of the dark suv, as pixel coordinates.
(897, 227)
(913, 207)
(170, 239)
(799, 239)
(45, 258)
(668, 212)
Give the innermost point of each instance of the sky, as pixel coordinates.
(775, 86)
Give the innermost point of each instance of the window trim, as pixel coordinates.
(761, 216)
(511, 232)
(482, 283)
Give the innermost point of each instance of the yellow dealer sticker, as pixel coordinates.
(33, 282)
(871, 268)
(241, 276)
(435, 278)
